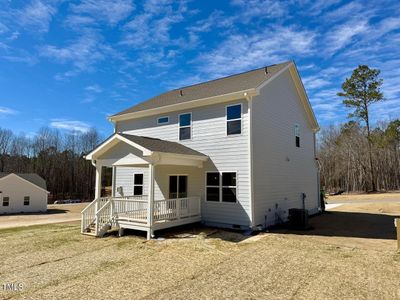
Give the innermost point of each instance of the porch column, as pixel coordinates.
(150, 210)
(97, 191)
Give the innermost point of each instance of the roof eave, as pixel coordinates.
(184, 105)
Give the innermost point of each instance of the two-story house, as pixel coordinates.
(235, 152)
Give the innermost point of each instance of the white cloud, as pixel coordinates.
(70, 125)
(152, 28)
(7, 111)
(77, 22)
(315, 82)
(241, 52)
(342, 35)
(95, 88)
(318, 6)
(83, 53)
(13, 36)
(36, 16)
(217, 19)
(111, 12)
(261, 8)
(3, 28)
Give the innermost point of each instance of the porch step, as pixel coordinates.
(89, 233)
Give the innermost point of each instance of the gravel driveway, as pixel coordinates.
(56, 213)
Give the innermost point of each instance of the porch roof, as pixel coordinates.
(157, 145)
(148, 147)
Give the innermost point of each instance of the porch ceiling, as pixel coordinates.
(125, 150)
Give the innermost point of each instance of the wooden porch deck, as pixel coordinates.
(133, 213)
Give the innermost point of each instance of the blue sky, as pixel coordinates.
(69, 64)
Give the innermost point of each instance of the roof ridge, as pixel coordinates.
(221, 78)
(247, 80)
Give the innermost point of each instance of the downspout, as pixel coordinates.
(250, 147)
(318, 174)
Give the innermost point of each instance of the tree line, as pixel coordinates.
(357, 156)
(344, 157)
(57, 157)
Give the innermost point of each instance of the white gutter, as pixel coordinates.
(184, 105)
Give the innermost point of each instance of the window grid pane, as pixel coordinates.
(234, 127)
(185, 120)
(184, 133)
(163, 120)
(213, 194)
(138, 179)
(213, 179)
(229, 179)
(229, 185)
(229, 195)
(138, 190)
(234, 112)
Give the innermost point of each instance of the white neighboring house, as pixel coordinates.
(21, 192)
(234, 152)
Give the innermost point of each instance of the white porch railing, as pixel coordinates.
(130, 209)
(171, 209)
(102, 213)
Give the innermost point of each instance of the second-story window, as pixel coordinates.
(234, 119)
(163, 120)
(185, 126)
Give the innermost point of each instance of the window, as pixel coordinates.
(6, 201)
(178, 186)
(26, 200)
(185, 126)
(212, 186)
(224, 190)
(229, 187)
(163, 120)
(234, 119)
(137, 184)
(297, 135)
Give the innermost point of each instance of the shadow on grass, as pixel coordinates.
(51, 211)
(191, 231)
(348, 224)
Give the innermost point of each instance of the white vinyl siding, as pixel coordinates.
(281, 171)
(226, 153)
(124, 180)
(22, 196)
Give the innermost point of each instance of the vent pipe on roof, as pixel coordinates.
(266, 70)
(181, 93)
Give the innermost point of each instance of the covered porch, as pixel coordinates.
(160, 194)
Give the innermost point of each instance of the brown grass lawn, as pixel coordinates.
(390, 196)
(343, 257)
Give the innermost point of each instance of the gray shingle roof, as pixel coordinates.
(158, 145)
(234, 83)
(31, 177)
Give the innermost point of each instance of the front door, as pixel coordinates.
(178, 186)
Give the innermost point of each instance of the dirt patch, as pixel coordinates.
(335, 260)
(56, 213)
